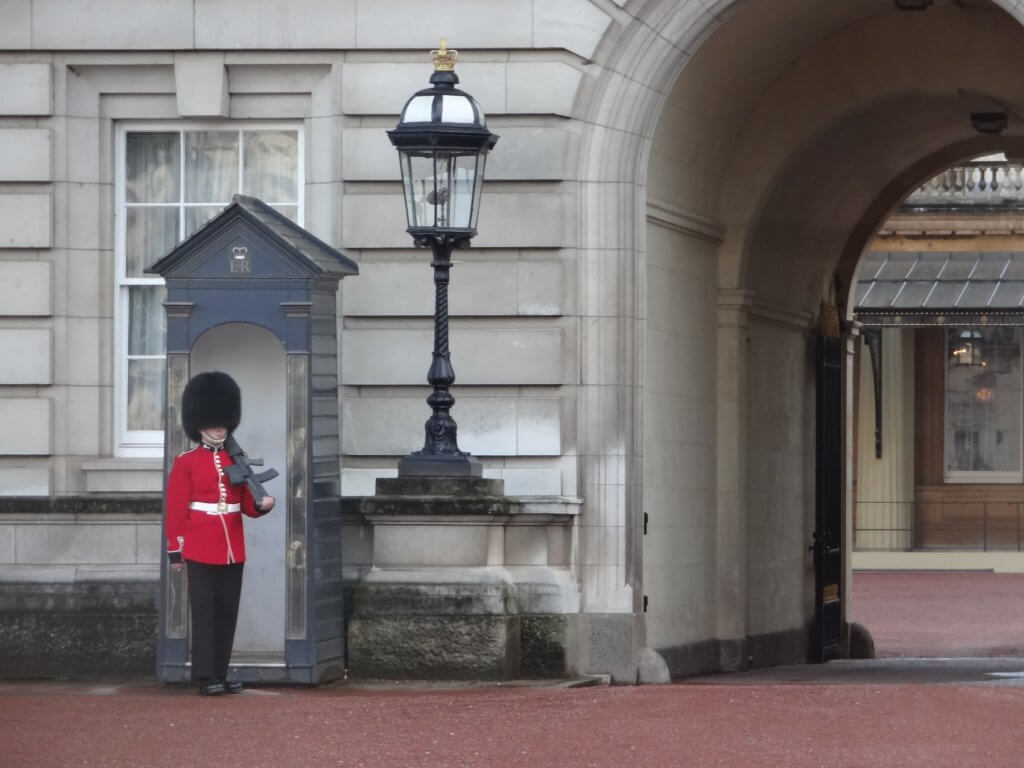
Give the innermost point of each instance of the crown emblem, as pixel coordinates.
(444, 59)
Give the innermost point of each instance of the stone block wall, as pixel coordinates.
(79, 580)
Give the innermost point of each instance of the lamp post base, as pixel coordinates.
(439, 465)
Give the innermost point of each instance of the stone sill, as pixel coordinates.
(496, 510)
(81, 509)
(121, 475)
(70, 574)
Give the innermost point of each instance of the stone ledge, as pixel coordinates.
(511, 510)
(128, 476)
(76, 574)
(55, 508)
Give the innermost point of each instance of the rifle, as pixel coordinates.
(240, 471)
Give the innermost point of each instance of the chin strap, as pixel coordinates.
(207, 440)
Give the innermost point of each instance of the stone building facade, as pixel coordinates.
(678, 186)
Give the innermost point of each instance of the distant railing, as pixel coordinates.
(975, 526)
(974, 184)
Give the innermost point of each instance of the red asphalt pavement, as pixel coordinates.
(941, 613)
(875, 720)
(795, 726)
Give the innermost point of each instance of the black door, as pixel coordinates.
(828, 534)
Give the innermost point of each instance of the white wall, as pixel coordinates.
(780, 502)
(679, 438)
(885, 486)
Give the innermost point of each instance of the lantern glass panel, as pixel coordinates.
(462, 177)
(478, 183)
(418, 180)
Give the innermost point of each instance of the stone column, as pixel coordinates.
(731, 536)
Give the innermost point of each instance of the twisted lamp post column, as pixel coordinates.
(440, 453)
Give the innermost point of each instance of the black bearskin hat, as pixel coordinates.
(210, 399)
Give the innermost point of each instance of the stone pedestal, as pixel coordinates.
(466, 583)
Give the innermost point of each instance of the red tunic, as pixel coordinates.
(200, 536)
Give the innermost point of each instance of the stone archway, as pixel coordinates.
(708, 119)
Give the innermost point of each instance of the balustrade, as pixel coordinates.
(972, 184)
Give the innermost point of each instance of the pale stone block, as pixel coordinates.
(149, 543)
(124, 476)
(326, 139)
(498, 356)
(390, 289)
(560, 80)
(81, 422)
(37, 574)
(26, 154)
(86, 152)
(369, 156)
(378, 220)
(256, 24)
(539, 153)
(523, 153)
(85, 277)
(26, 356)
(356, 544)
(275, 76)
(26, 429)
(73, 544)
(528, 482)
(135, 572)
(389, 24)
(112, 25)
(411, 546)
(27, 89)
(374, 221)
(25, 288)
(541, 288)
(16, 30)
(25, 481)
(534, 220)
(358, 481)
(82, 344)
(382, 88)
(201, 82)
(81, 205)
(487, 426)
(576, 25)
(6, 542)
(538, 428)
(26, 221)
(526, 545)
(482, 287)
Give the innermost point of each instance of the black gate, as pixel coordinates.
(828, 534)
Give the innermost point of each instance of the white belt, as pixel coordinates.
(213, 508)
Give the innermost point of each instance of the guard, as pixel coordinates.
(204, 525)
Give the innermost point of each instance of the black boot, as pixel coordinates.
(232, 686)
(209, 687)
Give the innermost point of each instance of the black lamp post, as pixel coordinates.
(442, 142)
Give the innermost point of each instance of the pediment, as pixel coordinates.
(251, 241)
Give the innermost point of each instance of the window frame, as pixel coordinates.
(150, 443)
(979, 477)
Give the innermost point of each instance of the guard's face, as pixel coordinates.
(216, 433)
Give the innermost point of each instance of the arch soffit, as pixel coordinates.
(847, 142)
(641, 58)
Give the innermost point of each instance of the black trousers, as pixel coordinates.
(213, 594)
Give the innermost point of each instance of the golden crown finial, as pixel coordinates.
(444, 59)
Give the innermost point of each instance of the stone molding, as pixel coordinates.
(685, 222)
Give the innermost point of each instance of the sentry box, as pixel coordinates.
(254, 295)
